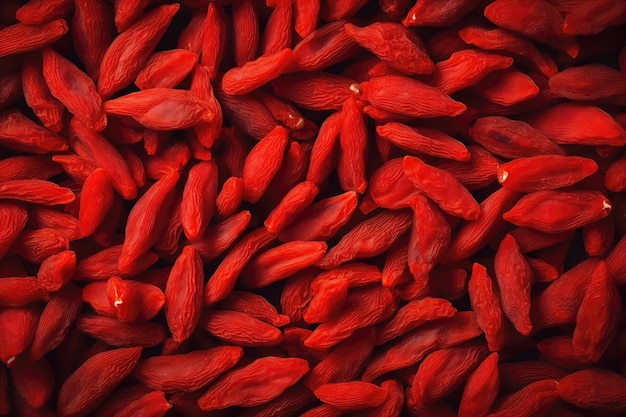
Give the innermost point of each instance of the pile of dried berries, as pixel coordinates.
(312, 208)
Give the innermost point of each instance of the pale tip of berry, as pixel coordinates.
(606, 204)
(355, 88)
(299, 123)
(414, 17)
(118, 301)
(502, 176)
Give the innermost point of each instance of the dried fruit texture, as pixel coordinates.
(512, 139)
(485, 301)
(430, 13)
(545, 172)
(152, 404)
(246, 32)
(316, 90)
(18, 325)
(294, 344)
(395, 93)
(92, 33)
(596, 321)
(615, 262)
(589, 83)
(36, 245)
(509, 43)
(101, 153)
(256, 306)
(289, 402)
(34, 381)
(282, 262)
(187, 372)
(555, 212)
(278, 29)
(381, 305)
(198, 199)
(413, 315)
(298, 199)
(166, 69)
(345, 362)
(348, 175)
(413, 347)
(305, 16)
(440, 186)
(325, 46)
(161, 108)
(360, 243)
(514, 277)
(508, 87)
(547, 26)
(22, 134)
(56, 271)
(328, 299)
(21, 37)
(516, 375)
(394, 402)
(560, 351)
(207, 133)
(240, 328)
(386, 40)
(322, 219)
(615, 179)
(13, 218)
(424, 141)
(38, 11)
(46, 107)
(223, 280)
(607, 13)
(352, 395)
(74, 89)
(481, 388)
(183, 294)
(530, 240)
(381, 195)
(116, 333)
(353, 148)
(599, 127)
(96, 199)
(444, 370)
(104, 264)
(466, 68)
(143, 227)
(259, 382)
(55, 321)
(127, 300)
(103, 371)
(323, 410)
(214, 32)
(191, 36)
(221, 236)
(10, 89)
(254, 74)
(263, 162)
(535, 399)
(430, 237)
(20, 291)
(36, 191)
(128, 53)
(604, 390)
(559, 303)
